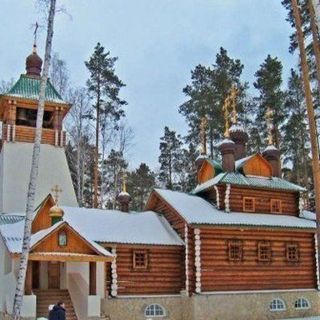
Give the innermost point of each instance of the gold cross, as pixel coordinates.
(124, 182)
(229, 109)
(203, 127)
(269, 120)
(56, 190)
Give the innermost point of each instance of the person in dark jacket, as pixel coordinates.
(58, 312)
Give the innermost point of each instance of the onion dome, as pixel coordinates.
(124, 199)
(227, 149)
(33, 63)
(240, 137)
(200, 160)
(272, 154)
(56, 211)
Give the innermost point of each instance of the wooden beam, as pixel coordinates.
(28, 281)
(92, 278)
(63, 257)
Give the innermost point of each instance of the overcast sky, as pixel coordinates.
(158, 42)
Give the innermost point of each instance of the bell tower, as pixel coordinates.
(18, 113)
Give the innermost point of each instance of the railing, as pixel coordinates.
(12, 133)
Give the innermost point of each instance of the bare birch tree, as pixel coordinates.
(18, 299)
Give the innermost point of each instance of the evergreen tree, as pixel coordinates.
(104, 87)
(296, 150)
(170, 158)
(140, 183)
(206, 94)
(268, 83)
(115, 166)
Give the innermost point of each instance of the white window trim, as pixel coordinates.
(301, 307)
(155, 316)
(277, 309)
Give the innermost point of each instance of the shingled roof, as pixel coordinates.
(28, 88)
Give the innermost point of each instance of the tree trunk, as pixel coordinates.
(96, 160)
(311, 117)
(34, 170)
(315, 40)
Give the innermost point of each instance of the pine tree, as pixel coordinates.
(170, 158)
(206, 94)
(268, 83)
(297, 151)
(104, 87)
(140, 183)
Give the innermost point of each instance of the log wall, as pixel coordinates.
(220, 274)
(162, 276)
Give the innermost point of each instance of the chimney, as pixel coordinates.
(272, 155)
(239, 136)
(227, 149)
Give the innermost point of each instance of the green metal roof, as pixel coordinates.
(235, 178)
(217, 166)
(28, 88)
(9, 218)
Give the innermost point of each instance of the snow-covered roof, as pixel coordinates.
(224, 141)
(271, 147)
(13, 234)
(114, 226)
(196, 210)
(236, 127)
(308, 215)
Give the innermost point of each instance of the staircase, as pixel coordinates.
(52, 296)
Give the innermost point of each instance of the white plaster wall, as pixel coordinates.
(94, 306)
(29, 306)
(15, 167)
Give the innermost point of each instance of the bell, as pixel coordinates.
(22, 114)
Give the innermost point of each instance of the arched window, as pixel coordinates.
(301, 304)
(277, 305)
(154, 310)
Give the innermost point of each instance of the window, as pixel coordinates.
(277, 305)
(292, 252)
(264, 251)
(154, 310)
(62, 239)
(302, 304)
(275, 206)
(140, 259)
(235, 250)
(249, 204)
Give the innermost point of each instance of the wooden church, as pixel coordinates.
(240, 246)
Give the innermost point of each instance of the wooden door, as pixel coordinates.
(35, 275)
(53, 275)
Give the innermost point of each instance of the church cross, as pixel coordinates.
(36, 26)
(56, 190)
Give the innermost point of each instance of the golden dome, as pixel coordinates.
(56, 211)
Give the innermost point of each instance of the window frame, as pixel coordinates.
(272, 201)
(61, 233)
(302, 300)
(146, 260)
(244, 208)
(239, 245)
(289, 246)
(154, 306)
(266, 244)
(275, 303)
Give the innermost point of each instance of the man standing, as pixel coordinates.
(58, 312)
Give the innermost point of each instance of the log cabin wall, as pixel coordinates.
(163, 274)
(218, 273)
(289, 200)
(178, 224)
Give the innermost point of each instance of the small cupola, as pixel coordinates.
(240, 137)
(34, 63)
(227, 149)
(124, 197)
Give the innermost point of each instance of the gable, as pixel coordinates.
(208, 170)
(42, 219)
(75, 243)
(254, 165)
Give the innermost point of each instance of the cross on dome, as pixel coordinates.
(56, 190)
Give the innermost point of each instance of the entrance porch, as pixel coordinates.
(78, 280)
